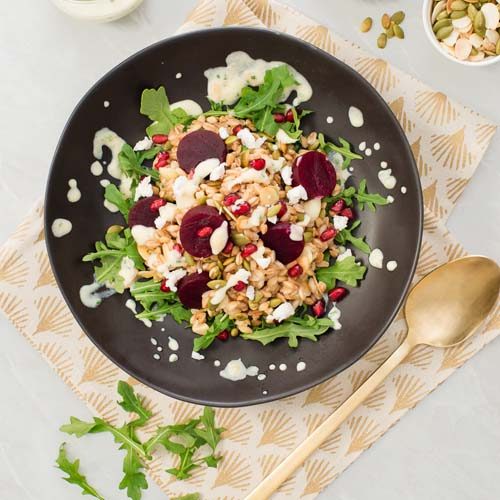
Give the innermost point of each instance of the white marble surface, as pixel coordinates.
(448, 448)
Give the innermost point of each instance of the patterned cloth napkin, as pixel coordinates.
(448, 141)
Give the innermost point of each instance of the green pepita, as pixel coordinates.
(258, 296)
(231, 139)
(214, 273)
(442, 15)
(441, 24)
(245, 156)
(274, 210)
(389, 32)
(228, 261)
(167, 146)
(471, 11)
(202, 200)
(239, 239)
(479, 23)
(398, 17)
(308, 236)
(275, 302)
(189, 259)
(300, 217)
(458, 14)
(314, 145)
(240, 317)
(444, 32)
(246, 265)
(366, 25)
(216, 284)
(385, 21)
(458, 5)
(276, 155)
(220, 265)
(114, 229)
(382, 41)
(253, 306)
(398, 31)
(497, 48)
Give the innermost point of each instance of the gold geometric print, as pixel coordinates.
(454, 251)
(431, 200)
(451, 150)
(377, 398)
(377, 72)
(182, 412)
(318, 35)
(379, 353)
(104, 406)
(397, 107)
(97, 368)
(431, 222)
(54, 316)
(332, 443)
(236, 423)
(364, 432)
(428, 259)
(263, 10)
(424, 169)
(484, 133)
(456, 356)
(328, 393)
(41, 235)
(156, 420)
(357, 378)
(14, 309)
(13, 268)
(203, 14)
(233, 471)
(268, 463)
(409, 391)
(455, 187)
(435, 107)
(420, 356)
(237, 14)
(46, 276)
(319, 474)
(59, 359)
(277, 429)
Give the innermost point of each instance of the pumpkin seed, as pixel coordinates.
(276, 155)
(216, 284)
(231, 139)
(114, 229)
(366, 25)
(220, 265)
(308, 236)
(300, 217)
(385, 21)
(275, 302)
(274, 210)
(214, 273)
(444, 32)
(245, 158)
(497, 48)
(474, 52)
(314, 145)
(235, 332)
(202, 200)
(441, 24)
(228, 261)
(258, 296)
(471, 11)
(479, 23)
(189, 259)
(239, 239)
(382, 41)
(253, 306)
(398, 17)
(390, 32)
(458, 14)
(398, 31)
(458, 5)
(442, 15)
(246, 265)
(240, 317)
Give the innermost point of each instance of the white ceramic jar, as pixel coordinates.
(97, 10)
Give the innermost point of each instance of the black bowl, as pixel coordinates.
(366, 312)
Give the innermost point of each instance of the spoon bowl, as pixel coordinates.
(447, 306)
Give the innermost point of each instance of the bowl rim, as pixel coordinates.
(426, 18)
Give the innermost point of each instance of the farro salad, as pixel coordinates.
(235, 221)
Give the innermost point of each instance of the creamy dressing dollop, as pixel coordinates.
(91, 295)
(61, 227)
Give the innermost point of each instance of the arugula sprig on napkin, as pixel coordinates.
(194, 442)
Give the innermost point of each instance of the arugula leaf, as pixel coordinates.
(220, 322)
(362, 197)
(344, 149)
(134, 480)
(156, 303)
(110, 253)
(294, 328)
(346, 270)
(78, 427)
(346, 236)
(133, 404)
(72, 469)
(209, 433)
(114, 196)
(131, 163)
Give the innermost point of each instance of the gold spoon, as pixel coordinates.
(442, 310)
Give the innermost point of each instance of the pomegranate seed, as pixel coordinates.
(228, 248)
(337, 207)
(242, 208)
(337, 294)
(295, 271)
(347, 212)
(230, 199)
(289, 116)
(318, 308)
(205, 232)
(248, 250)
(178, 248)
(240, 286)
(327, 234)
(159, 138)
(224, 335)
(160, 164)
(236, 129)
(279, 117)
(283, 209)
(161, 160)
(156, 204)
(258, 163)
(164, 287)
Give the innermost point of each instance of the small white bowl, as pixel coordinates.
(101, 11)
(426, 14)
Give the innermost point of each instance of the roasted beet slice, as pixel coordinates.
(191, 288)
(195, 219)
(198, 146)
(314, 171)
(278, 239)
(141, 213)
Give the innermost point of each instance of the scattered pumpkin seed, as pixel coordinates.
(276, 155)
(441, 24)
(458, 14)
(479, 22)
(216, 284)
(471, 11)
(239, 239)
(230, 139)
(308, 236)
(385, 21)
(398, 17)
(390, 32)
(366, 25)
(275, 302)
(398, 31)
(189, 259)
(274, 210)
(382, 41)
(253, 305)
(246, 265)
(214, 273)
(114, 229)
(444, 32)
(258, 296)
(202, 200)
(300, 217)
(442, 15)
(245, 158)
(458, 5)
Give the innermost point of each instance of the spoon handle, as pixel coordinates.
(286, 468)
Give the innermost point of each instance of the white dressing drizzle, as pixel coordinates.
(235, 370)
(92, 297)
(61, 227)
